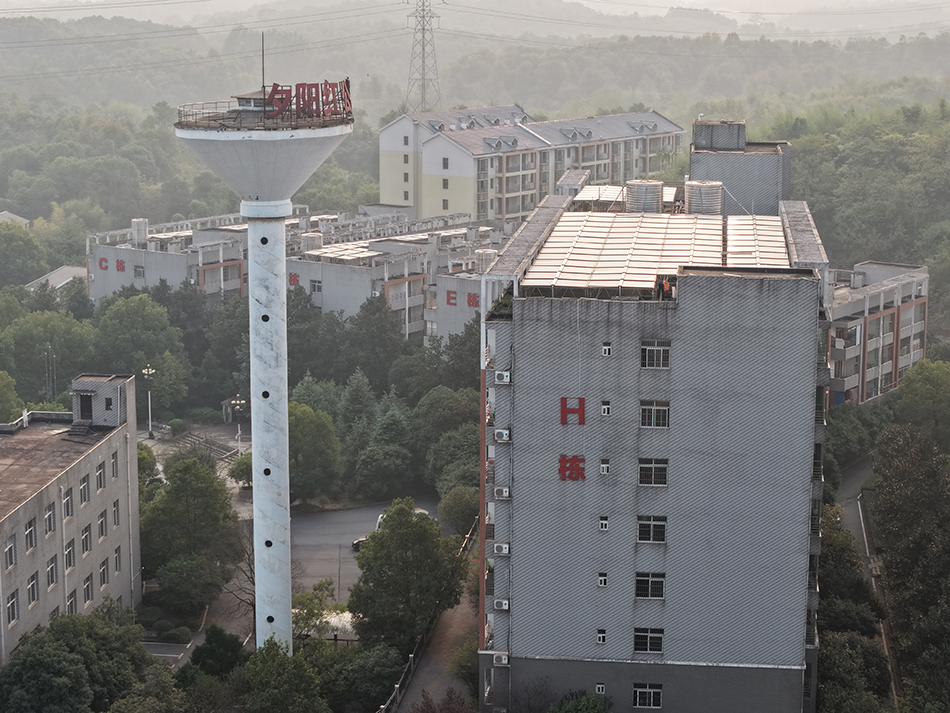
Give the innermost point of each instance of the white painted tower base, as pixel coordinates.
(267, 280)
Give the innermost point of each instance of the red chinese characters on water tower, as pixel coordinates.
(322, 99)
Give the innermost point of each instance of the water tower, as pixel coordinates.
(264, 146)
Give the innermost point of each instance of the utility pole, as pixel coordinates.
(423, 92)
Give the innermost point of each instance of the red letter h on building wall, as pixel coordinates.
(578, 411)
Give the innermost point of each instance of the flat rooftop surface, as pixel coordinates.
(32, 458)
(629, 250)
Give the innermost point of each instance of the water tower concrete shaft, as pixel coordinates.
(264, 146)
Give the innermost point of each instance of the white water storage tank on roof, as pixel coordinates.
(704, 197)
(644, 196)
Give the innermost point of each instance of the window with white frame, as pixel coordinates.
(84, 490)
(52, 571)
(13, 606)
(405, 178)
(604, 523)
(115, 513)
(600, 688)
(650, 585)
(648, 640)
(69, 555)
(87, 589)
(601, 579)
(103, 528)
(30, 534)
(445, 184)
(67, 503)
(604, 408)
(71, 603)
(605, 349)
(605, 466)
(445, 163)
(651, 528)
(49, 518)
(445, 204)
(118, 558)
(405, 195)
(115, 464)
(601, 636)
(316, 286)
(100, 476)
(33, 588)
(654, 414)
(653, 471)
(405, 158)
(87, 539)
(104, 573)
(647, 695)
(139, 270)
(9, 552)
(655, 354)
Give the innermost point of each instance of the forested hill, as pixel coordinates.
(486, 54)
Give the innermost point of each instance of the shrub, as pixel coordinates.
(204, 414)
(178, 635)
(162, 625)
(147, 616)
(177, 425)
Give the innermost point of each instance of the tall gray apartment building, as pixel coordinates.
(69, 508)
(654, 408)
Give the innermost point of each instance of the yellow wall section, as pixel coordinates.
(391, 185)
(460, 194)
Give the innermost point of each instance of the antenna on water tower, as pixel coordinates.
(423, 93)
(264, 146)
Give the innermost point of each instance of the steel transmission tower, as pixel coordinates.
(423, 93)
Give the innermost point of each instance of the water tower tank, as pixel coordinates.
(704, 197)
(644, 196)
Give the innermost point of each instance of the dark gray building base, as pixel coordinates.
(531, 685)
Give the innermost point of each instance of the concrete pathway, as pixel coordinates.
(431, 674)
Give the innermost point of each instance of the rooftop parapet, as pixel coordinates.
(286, 107)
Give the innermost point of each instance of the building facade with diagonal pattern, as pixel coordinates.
(654, 408)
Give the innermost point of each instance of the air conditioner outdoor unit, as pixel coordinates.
(375, 293)
(501, 604)
(500, 659)
(502, 377)
(502, 435)
(502, 492)
(501, 548)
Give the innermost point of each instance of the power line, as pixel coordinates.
(192, 61)
(205, 29)
(800, 13)
(95, 6)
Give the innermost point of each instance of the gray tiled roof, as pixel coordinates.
(476, 117)
(542, 134)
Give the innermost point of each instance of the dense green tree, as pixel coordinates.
(442, 410)
(459, 508)
(319, 395)
(925, 399)
(374, 341)
(382, 469)
(169, 384)
(463, 664)
(413, 375)
(74, 298)
(220, 653)
(10, 404)
(462, 364)
(230, 323)
(241, 469)
(191, 515)
(315, 457)
(22, 255)
(135, 331)
(11, 306)
(459, 450)
(356, 402)
(843, 684)
(314, 339)
(147, 462)
(408, 574)
(32, 344)
(189, 583)
(274, 681)
(80, 663)
(310, 610)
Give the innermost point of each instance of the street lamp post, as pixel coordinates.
(237, 405)
(147, 373)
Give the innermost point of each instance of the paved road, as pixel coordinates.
(321, 542)
(853, 478)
